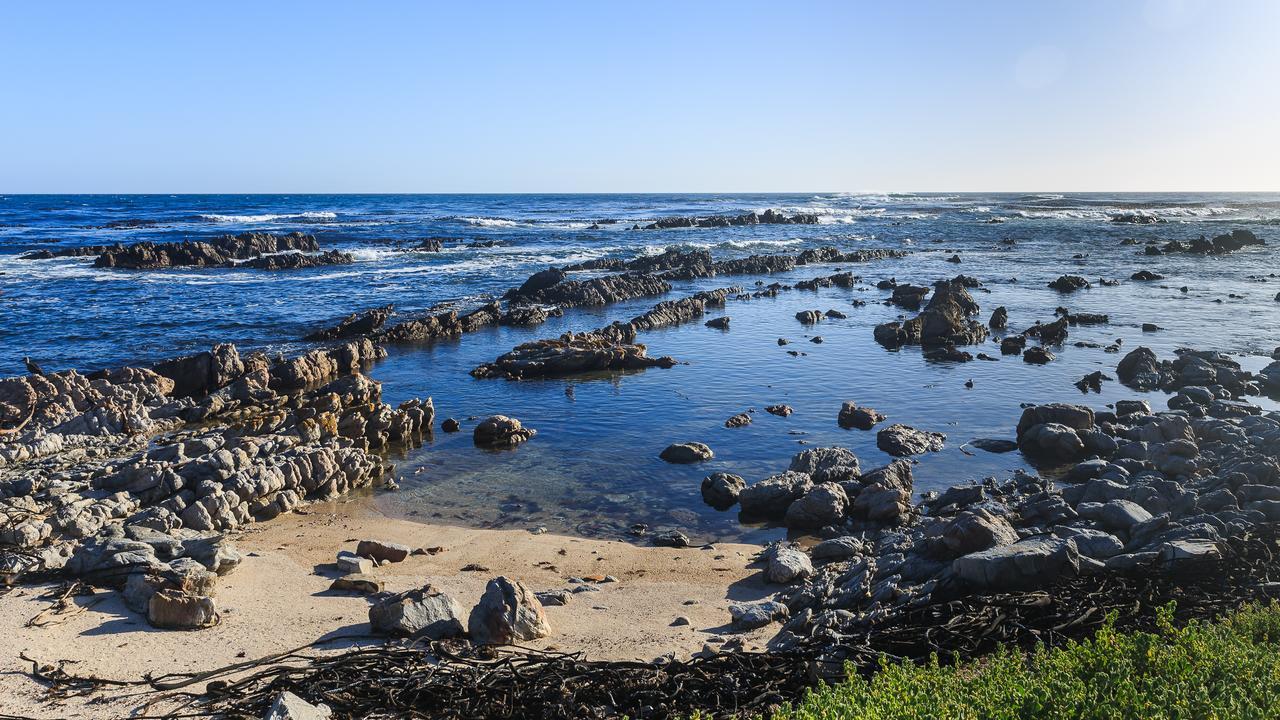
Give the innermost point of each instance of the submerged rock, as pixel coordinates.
(692, 452)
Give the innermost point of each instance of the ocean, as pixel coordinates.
(593, 467)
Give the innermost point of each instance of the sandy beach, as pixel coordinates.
(278, 598)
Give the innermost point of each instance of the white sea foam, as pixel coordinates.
(269, 217)
(487, 222)
(1107, 213)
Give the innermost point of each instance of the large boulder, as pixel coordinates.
(1027, 564)
(881, 503)
(540, 280)
(507, 613)
(423, 612)
(976, 530)
(771, 497)
(785, 564)
(1139, 369)
(826, 464)
(720, 490)
(179, 610)
(825, 504)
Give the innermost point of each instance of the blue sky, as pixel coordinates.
(644, 96)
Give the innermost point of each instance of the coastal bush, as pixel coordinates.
(1220, 670)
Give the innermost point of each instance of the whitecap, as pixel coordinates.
(269, 217)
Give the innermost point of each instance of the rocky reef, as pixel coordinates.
(768, 217)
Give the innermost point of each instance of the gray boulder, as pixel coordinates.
(424, 612)
(786, 564)
(976, 530)
(825, 504)
(508, 612)
(720, 490)
(771, 497)
(1027, 564)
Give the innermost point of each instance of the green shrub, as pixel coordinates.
(1227, 669)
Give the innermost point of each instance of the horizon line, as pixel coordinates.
(669, 192)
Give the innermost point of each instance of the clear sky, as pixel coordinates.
(658, 96)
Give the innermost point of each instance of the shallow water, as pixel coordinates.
(593, 466)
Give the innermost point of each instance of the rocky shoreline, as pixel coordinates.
(130, 478)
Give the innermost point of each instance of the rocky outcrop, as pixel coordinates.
(948, 318)
(570, 355)
(447, 324)
(768, 217)
(1220, 244)
(221, 251)
(720, 490)
(677, 264)
(128, 478)
(1069, 284)
(593, 292)
(297, 261)
(354, 325)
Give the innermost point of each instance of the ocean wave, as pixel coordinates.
(311, 215)
(1110, 213)
(486, 221)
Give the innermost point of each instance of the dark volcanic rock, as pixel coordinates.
(1037, 355)
(297, 261)
(903, 440)
(1139, 369)
(720, 490)
(948, 318)
(538, 281)
(768, 217)
(216, 252)
(852, 416)
(596, 291)
(1069, 283)
(355, 325)
(569, 355)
